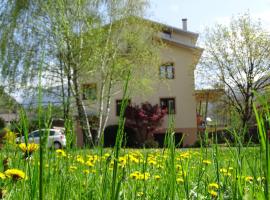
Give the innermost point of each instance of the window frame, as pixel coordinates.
(165, 67)
(118, 106)
(167, 99)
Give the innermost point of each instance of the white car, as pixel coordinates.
(56, 138)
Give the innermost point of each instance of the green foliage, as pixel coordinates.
(237, 56)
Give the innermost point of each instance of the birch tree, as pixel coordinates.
(81, 41)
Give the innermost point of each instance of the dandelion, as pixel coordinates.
(248, 178)
(144, 176)
(207, 162)
(61, 152)
(86, 171)
(122, 162)
(80, 160)
(2, 176)
(179, 180)
(213, 193)
(157, 177)
(223, 170)
(28, 149)
(133, 176)
(213, 186)
(89, 163)
(140, 194)
(15, 174)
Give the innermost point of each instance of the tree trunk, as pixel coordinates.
(83, 119)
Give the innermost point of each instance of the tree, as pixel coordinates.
(76, 42)
(144, 119)
(237, 57)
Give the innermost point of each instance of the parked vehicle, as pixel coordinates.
(56, 138)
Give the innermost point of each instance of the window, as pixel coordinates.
(167, 33)
(89, 91)
(168, 103)
(166, 71)
(118, 106)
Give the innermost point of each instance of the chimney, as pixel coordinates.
(184, 24)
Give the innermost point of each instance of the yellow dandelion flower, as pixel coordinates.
(157, 177)
(213, 186)
(140, 194)
(80, 160)
(2, 176)
(133, 176)
(15, 174)
(207, 162)
(89, 163)
(213, 193)
(86, 171)
(223, 170)
(29, 148)
(179, 180)
(61, 152)
(248, 178)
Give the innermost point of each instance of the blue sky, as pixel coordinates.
(202, 13)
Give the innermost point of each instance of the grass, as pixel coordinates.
(144, 174)
(233, 172)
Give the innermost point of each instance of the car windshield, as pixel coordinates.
(36, 133)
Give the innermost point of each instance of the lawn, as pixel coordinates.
(203, 173)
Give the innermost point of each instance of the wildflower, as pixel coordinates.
(122, 161)
(144, 176)
(207, 162)
(89, 163)
(61, 152)
(28, 149)
(223, 170)
(139, 194)
(2, 176)
(152, 162)
(213, 186)
(248, 178)
(86, 171)
(133, 176)
(213, 193)
(185, 155)
(80, 160)
(15, 174)
(157, 177)
(179, 180)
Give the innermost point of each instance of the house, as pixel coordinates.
(179, 59)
